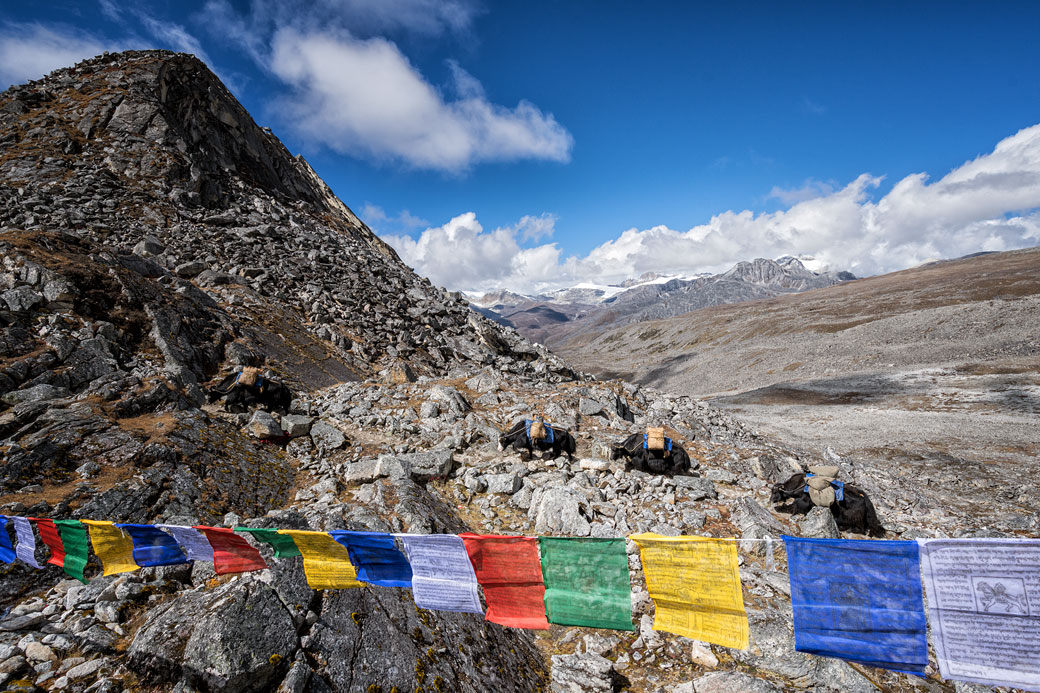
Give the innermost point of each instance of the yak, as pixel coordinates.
(240, 397)
(557, 441)
(854, 513)
(671, 460)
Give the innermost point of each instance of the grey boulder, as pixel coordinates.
(819, 524)
(296, 425)
(263, 425)
(37, 393)
(558, 510)
(327, 437)
(582, 673)
(427, 465)
(238, 637)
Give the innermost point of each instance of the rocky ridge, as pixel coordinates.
(148, 152)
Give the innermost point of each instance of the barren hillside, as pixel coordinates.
(936, 363)
(982, 309)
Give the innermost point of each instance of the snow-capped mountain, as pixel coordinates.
(548, 316)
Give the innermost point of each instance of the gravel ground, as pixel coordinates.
(986, 417)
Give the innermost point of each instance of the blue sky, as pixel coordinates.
(534, 144)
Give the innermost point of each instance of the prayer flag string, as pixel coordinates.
(853, 599)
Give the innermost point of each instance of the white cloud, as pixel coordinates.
(373, 214)
(377, 219)
(249, 32)
(30, 51)
(810, 189)
(365, 97)
(406, 218)
(989, 203)
(813, 107)
(111, 10)
(533, 228)
(354, 91)
(460, 254)
(427, 17)
(175, 36)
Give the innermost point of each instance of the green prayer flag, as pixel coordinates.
(283, 545)
(73, 535)
(586, 582)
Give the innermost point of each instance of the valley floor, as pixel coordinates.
(955, 436)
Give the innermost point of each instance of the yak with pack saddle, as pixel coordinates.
(852, 509)
(652, 452)
(529, 436)
(249, 388)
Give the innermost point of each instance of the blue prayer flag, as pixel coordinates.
(7, 554)
(376, 558)
(859, 600)
(153, 547)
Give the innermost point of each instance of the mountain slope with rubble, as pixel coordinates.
(153, 239)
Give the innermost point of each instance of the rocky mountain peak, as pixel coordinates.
(791, 264)
(170, 125)
(148, 152)
(760, 271)
(641, 279)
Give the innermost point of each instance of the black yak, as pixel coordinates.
(667, 457)
(528, 436)
(853, 513)
(241, 392)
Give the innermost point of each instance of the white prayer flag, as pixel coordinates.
(26, 546)
(984, 609)
(442, 576)
(196, 546)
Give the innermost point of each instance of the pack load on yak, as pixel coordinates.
(852, 509)
(249, 387)
(249, 375)
(652, 452)
(534, 434)
(822, 485)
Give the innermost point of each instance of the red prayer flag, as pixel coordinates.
(231, 553)
(49, 535)
(509, 570)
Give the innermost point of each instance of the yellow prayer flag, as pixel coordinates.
(325, 561)
(112, 546)
(695, 585)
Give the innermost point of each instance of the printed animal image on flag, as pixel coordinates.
(996, 594)
(984, 609)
